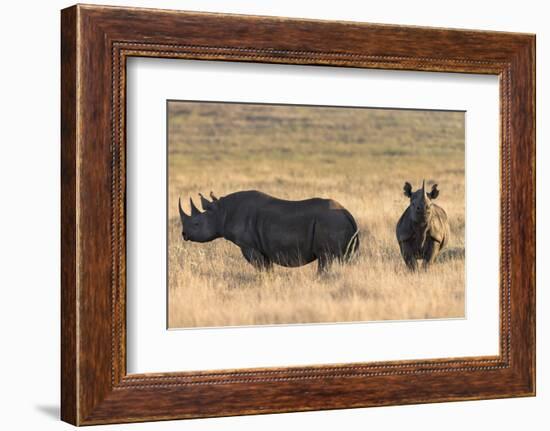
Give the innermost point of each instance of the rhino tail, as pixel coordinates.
(352, 247)
(353, 243)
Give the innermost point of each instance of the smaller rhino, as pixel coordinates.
(423, 229)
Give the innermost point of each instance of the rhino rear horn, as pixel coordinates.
(214, 198)
(194, 210)
(205, 203)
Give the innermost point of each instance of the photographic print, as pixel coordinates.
(294, 214)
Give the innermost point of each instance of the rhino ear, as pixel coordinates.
(434, 193)
(407, 189)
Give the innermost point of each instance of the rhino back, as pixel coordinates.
(251, 201)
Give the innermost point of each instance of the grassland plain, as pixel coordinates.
(359, 157)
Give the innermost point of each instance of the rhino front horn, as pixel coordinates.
(194, 210)
(182, 213)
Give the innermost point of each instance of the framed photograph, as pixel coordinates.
(266, 215)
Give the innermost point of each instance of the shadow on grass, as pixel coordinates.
(453, 253)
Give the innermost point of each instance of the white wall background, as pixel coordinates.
(29, 214)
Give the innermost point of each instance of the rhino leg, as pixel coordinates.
(430, 253)
(327, 249)
(407, 251)
(257, 259)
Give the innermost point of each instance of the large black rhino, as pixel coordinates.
(423, 229)
(270, 230)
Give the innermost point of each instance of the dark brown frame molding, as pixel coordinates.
(95, 43)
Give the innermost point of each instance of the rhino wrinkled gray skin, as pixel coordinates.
(270, 230)
(423, 229)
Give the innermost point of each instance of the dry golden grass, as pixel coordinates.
(359, 157)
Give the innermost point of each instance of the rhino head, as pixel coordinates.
(201, 226)
(421, 202)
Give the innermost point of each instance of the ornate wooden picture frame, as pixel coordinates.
(96, 41)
